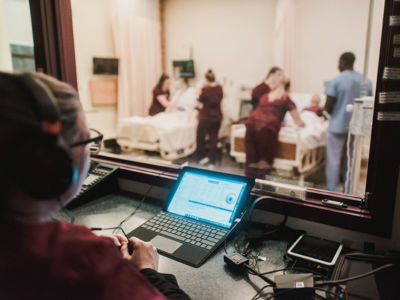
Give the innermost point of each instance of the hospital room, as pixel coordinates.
(118, 69)
(296, 98)
(239, 41)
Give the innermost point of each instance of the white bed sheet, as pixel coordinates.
(171, 130)
(168, 131)
(312, 136)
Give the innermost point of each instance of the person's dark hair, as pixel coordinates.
(287, 85)
(210, 76)
(18, 118)
(273, 70)
(347, 59)
(161, 80)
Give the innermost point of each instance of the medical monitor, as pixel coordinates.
(185, 68)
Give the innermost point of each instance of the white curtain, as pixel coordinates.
(137, 39)
(285, 43)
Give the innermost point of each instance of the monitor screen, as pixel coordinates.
(209, 198)
(105, 66)
(185, 68)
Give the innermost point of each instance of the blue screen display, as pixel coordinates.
(207, 198)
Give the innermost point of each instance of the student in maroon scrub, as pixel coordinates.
(161, 96)
(41, 257)
(210, 116)
(262, 129)
(275, 75)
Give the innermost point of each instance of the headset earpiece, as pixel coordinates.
(45, 168)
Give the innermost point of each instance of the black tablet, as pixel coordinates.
(315, 249)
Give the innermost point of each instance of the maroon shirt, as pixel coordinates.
(315, 109)
(211, 97)
(156, 107)
(58, 260)
(269, 115)
(258, 92)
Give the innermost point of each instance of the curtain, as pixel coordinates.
(137, 40)
(285, 43)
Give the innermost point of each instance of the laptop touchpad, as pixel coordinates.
(165, 244)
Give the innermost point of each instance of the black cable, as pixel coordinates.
(109, 228)
(141, 202)
(318, 283)
(232, 230)
(277, 294)
(300, 269)
(254, 204)
(265, 278)
(137, 207)
(256, 296)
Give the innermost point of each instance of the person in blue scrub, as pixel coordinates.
(341, 91)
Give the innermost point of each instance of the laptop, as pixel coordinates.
(201, 210)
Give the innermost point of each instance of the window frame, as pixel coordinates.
(53, 38)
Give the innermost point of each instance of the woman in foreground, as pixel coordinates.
(45, 158)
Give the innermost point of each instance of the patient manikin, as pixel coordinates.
(316, 105)
(183, 97)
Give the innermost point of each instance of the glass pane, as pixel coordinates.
(16, 42)
(290, 136)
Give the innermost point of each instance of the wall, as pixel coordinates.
(328, 28)
(235, 38)
(230, 36)
(18, 19)
(5, 54)
(222, 34)
(93, 37)
(13, 30)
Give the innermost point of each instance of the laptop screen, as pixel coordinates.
(207, 197)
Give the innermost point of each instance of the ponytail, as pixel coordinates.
(210, 76)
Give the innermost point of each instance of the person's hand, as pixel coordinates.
(172, 105)
(117, 239)
(144, 255)
(302, 124)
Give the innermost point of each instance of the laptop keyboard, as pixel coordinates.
(185, 230)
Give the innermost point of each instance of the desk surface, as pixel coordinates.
(210, 281)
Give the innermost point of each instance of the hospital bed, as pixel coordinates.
(172, 133)
(301, 151)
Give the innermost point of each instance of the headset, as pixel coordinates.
(44, 167)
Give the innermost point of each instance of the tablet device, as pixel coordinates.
(316, 250)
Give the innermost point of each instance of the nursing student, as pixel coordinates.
(161, 96)
(275, 75)
(210, 117)
(43, 167)
(263, 126)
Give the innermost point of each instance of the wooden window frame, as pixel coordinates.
(54, 54)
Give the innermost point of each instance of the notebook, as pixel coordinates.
(202, 208)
